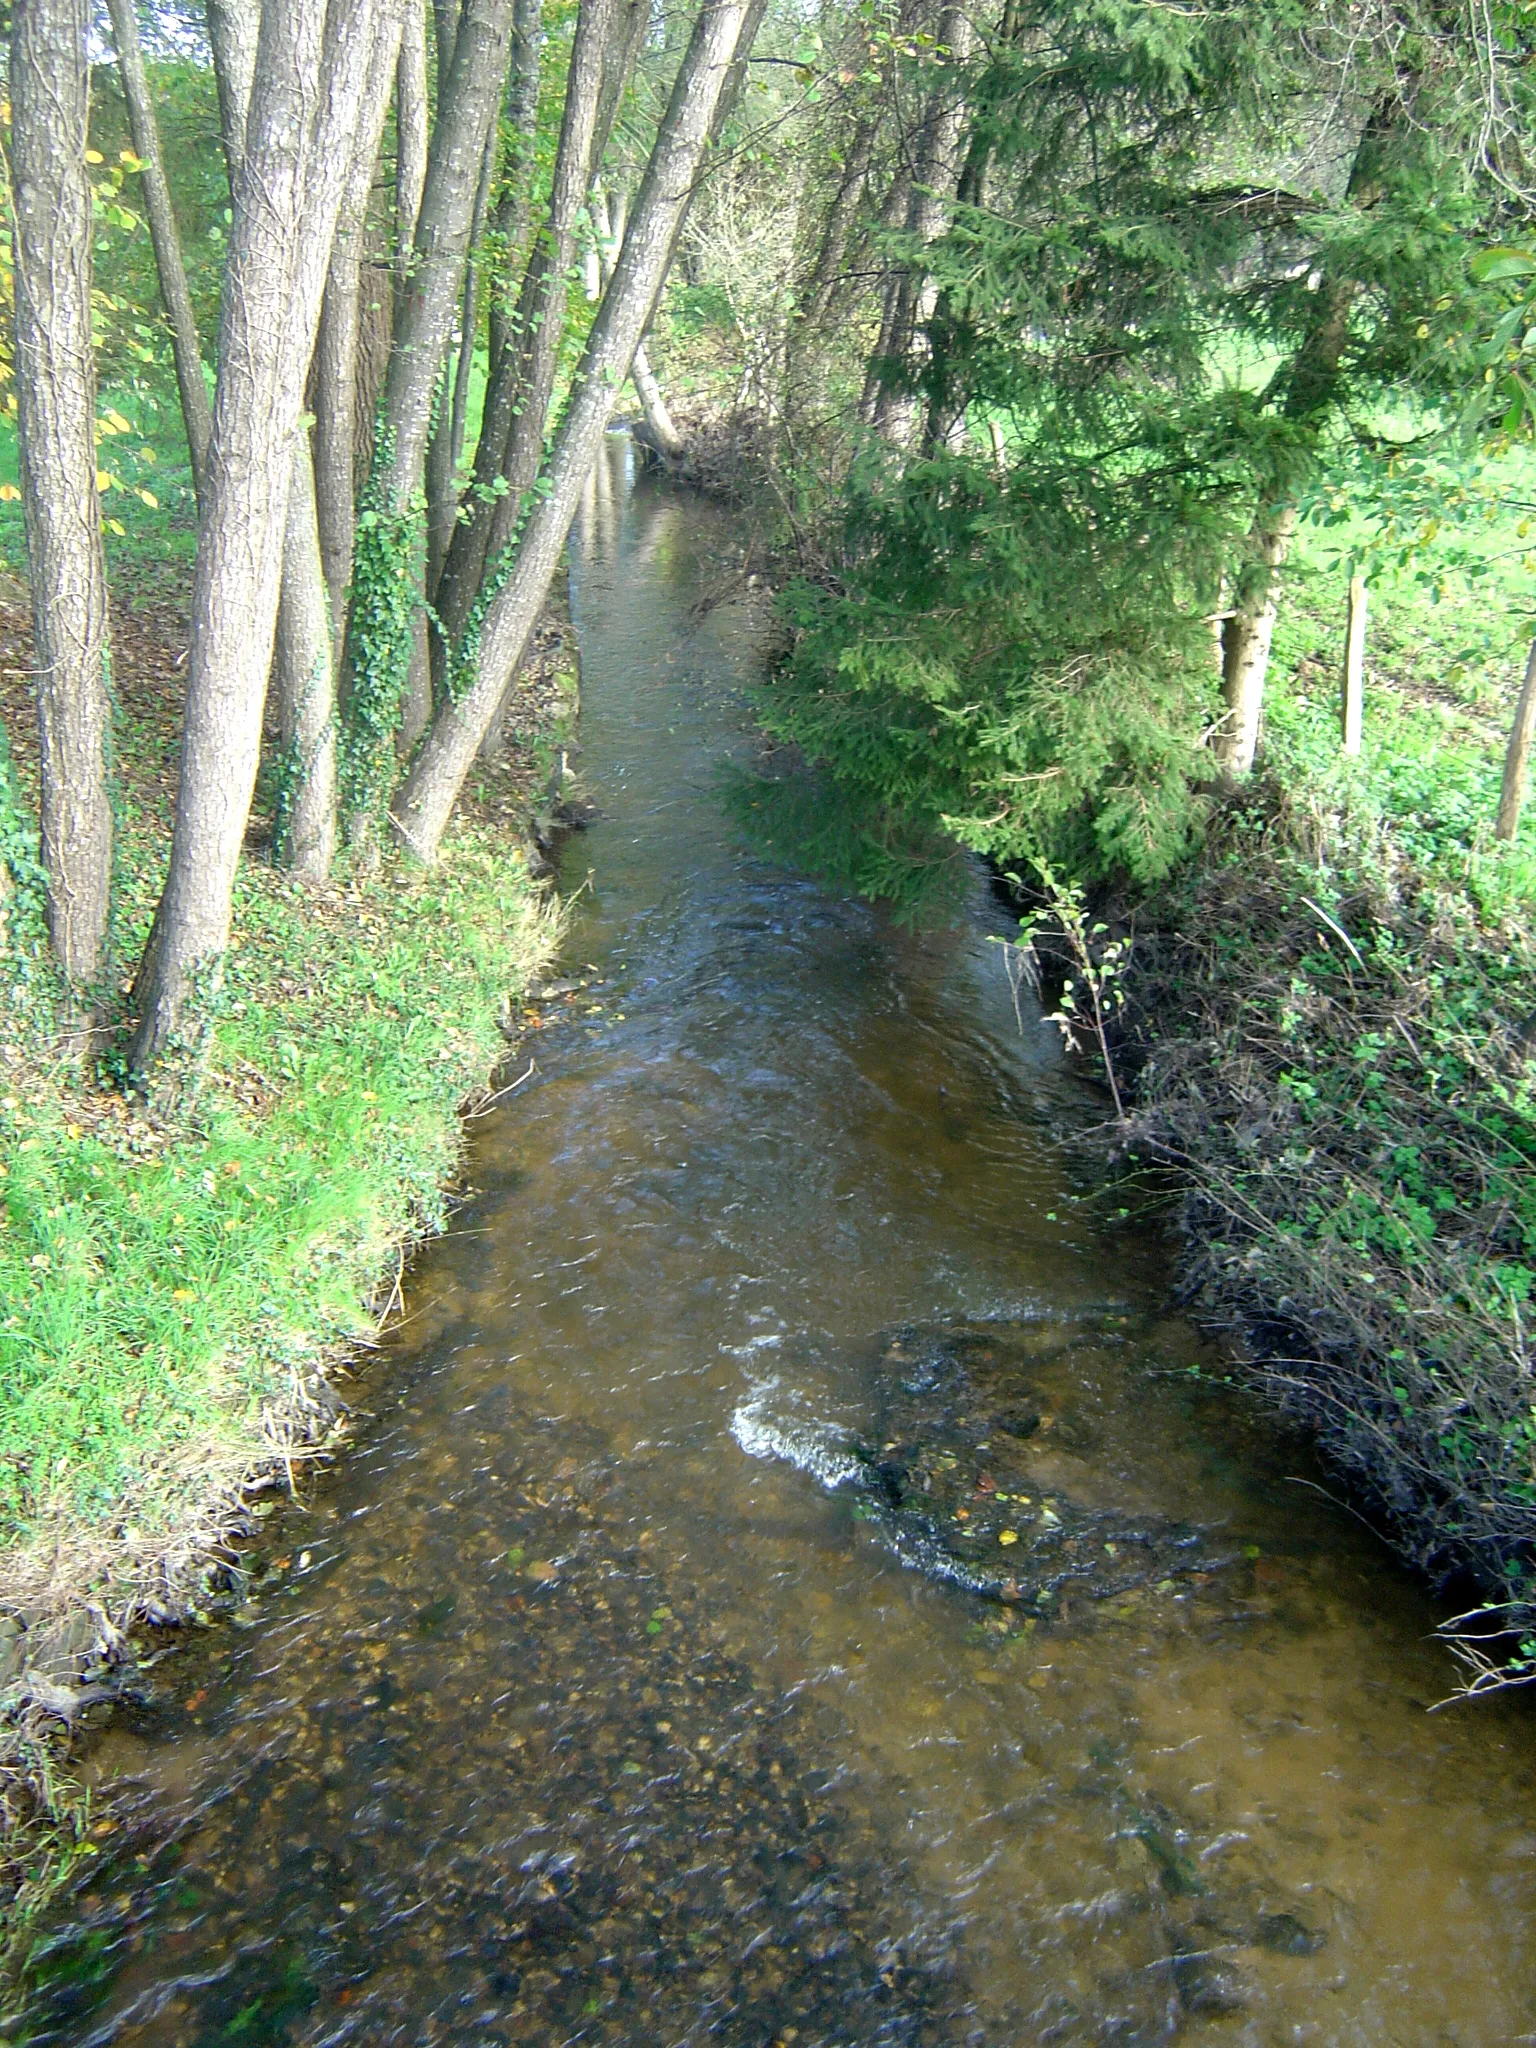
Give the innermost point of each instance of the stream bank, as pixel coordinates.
(184, 1289)
(1333, 1054)
(646, 1674)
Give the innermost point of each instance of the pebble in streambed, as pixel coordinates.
(648, 1854)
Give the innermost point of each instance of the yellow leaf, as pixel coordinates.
(9, 493)
(150, 499)
(94, 156)
(1007, 1536)
(116, 526)
(118, 423)
(182, 1294)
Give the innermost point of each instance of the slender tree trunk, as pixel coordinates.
(56, 419)
(1245, 644)
(427, 797)
(936, 177)
(1313, 385)
(472, 51)
(335, 373)
(467, 103)
(1517, 757)
(509, 221)
(233, 29)
(522, 381)
(306, 105)
(1352, 705)
(827, 270)
(660, 427)
(1249, 628)
(163, 234)
(447, 441)
(410, 138)
(304, 678)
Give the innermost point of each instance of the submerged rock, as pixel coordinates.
(959, 1485)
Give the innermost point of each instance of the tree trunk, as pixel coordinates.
(936, 174)
(1245, 643)
(233, 29)
(447, 441)
(1313, 383)
(1352, 706)
(311, 79)
(56, 422)
(410, 139)
(163, 233)
(335, 373)
(467, 103)
(523, 379)
(1518, 755)
(509, 221)
(304, 681)
(660, 428)
(427, 797)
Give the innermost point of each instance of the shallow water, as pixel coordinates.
(591, 1701)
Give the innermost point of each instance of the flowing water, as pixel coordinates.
(630, 1684)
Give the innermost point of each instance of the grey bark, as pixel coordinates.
(411, 126)
(467, 103)
(338, 369)
(509, 219)
(447, 441)
(522, 381)
(233, 29)
(304, 679)
(935, 178)
(56, 419)
(426, 799)
(660, 426)
(311, 78)
(164, 235)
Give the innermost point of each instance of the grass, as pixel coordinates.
(166, 1286)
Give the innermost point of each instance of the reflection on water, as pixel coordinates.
(599, 1702)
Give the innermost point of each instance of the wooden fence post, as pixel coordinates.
(1353, 708)
(1517, 756)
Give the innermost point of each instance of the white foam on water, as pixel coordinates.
(808, 1445)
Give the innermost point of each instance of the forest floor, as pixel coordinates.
(1330, 1029)
(179, 1293)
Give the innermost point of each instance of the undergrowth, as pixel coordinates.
(1337, 1052)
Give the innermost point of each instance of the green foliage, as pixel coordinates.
(385, 603)
(23, 883)
(1016, 662)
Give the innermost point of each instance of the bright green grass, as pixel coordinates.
(155, 1296)
(1445, 650)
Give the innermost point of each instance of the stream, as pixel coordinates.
(798, 1583)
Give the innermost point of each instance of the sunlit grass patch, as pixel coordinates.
(163, 1286)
